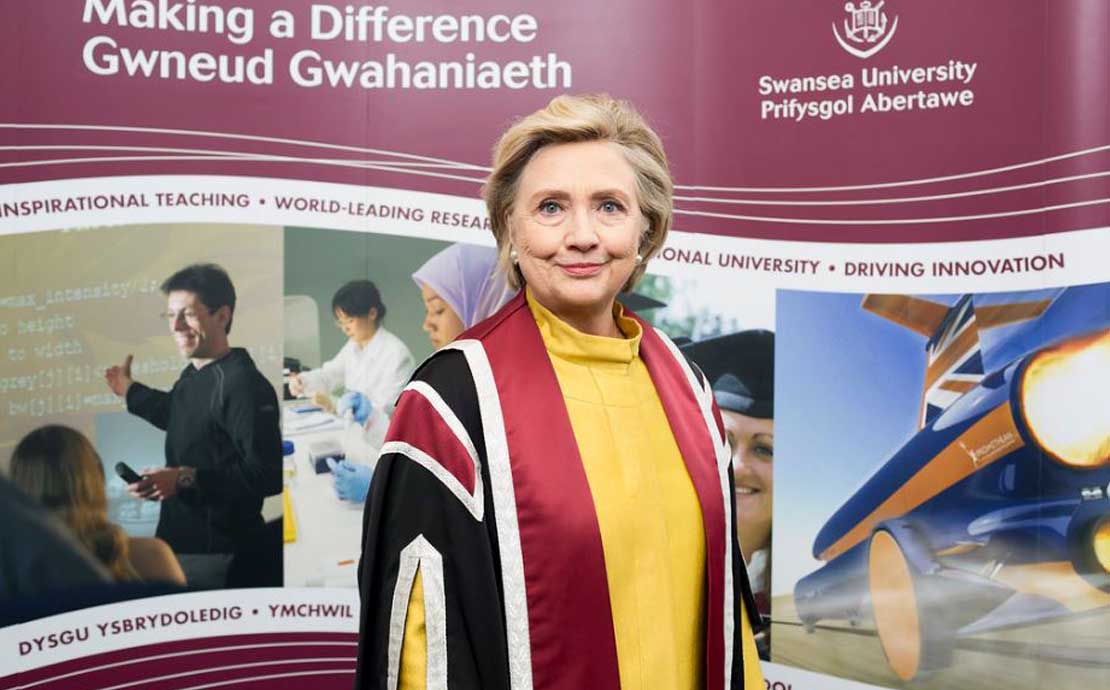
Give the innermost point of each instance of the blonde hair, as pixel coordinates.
(59, 467)
(571, 119)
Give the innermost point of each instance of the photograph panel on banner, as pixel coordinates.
(163, 489)
(948, 514)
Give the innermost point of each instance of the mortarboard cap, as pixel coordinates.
(741, 368)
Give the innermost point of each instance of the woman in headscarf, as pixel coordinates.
(460, 286)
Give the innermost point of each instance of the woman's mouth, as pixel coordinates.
(582, 270)
(747, 490)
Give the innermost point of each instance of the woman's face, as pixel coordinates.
(358, 328)
(753, 452)
(441, 323)
(576, 226)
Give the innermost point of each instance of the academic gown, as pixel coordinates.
(481, 490)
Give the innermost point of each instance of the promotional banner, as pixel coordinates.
(888, 260)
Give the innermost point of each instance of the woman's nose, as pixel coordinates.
(741, 463)
(580, 230)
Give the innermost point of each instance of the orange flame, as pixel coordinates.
(1065, 398)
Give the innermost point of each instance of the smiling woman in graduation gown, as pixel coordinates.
(552, 506)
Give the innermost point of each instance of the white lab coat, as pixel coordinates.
(378, 370)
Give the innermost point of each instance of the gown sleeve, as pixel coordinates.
(429, 576)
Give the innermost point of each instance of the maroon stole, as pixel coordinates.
(570, 624)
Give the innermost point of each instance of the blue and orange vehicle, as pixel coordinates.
(996, 512)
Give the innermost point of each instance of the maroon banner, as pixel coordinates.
(953, 126)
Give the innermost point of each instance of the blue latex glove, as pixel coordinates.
(357, 403)
(352, 481)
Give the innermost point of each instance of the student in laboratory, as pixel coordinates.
(372, 366)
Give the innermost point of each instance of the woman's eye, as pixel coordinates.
(550, 207)
(764, 450)
(610, 206)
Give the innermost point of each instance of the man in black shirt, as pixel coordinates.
(223, 438)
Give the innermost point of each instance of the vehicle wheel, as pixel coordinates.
(1089, 541)
(912, 644)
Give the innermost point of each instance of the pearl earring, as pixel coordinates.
(513, 256)
(639, 259)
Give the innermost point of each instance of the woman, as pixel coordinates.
(742, 367)
(553, 508)
(749, 422)
(57, 466)
(460, 286)
(752, 440)
(372, 366)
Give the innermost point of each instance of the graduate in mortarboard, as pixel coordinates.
(741, 367)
